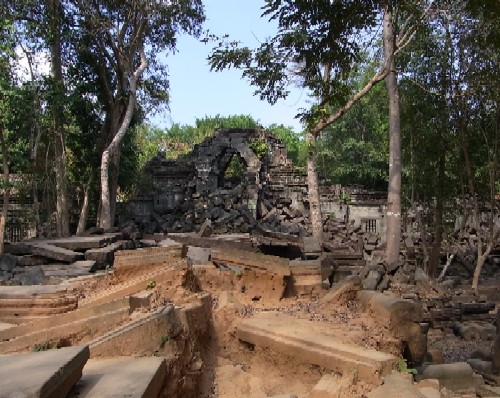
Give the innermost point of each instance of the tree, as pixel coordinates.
(123, 39)
(321, 41)
(54, 12)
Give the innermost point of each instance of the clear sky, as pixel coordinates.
(195, 92)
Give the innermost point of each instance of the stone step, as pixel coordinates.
(28, 301)
(78, 315)
(314, 343)
(47, 374)
(122, 377)
(139, 336)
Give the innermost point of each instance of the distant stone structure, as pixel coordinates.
(240, 179)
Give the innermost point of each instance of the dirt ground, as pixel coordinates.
(234, 369)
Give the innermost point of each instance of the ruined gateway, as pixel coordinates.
(267, 192)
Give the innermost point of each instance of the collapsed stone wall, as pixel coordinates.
(268, 193)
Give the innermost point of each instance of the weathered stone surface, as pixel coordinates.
(48, 374)
(17, 302)
(306, 278)
(205, 229)
(480, 366)
(454, 376)
(312, 247)
(103, 256)
(315, 344)
(401, 317)
(28, 276)
(7, 262)
(54, 252)
(129, 263)
(141, 300)
(372, 280)
(350, 285)
(89, 321)
(198, 255)
(122, 377)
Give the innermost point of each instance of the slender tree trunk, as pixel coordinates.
(393, 218)
(6, 191)
(62, 202)
(82, 221)
(313, 189)
(34, 140)
(439, 223)
(105, 220)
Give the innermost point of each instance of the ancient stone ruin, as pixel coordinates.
(216, 290)
(266, 192)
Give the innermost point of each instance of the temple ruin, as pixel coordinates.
(268, 192)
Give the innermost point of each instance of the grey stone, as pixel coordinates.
(198, 255)
(372, 280)
(454, 376)
(27, 276)
(206, 229)
(44, 374)
(7, 262)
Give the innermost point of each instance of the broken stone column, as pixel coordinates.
(402, 318)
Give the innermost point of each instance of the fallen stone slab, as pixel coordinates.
(122, 378)
(47, 374)
(138, 337)
(103, 256)
(77, 243)
(454, 376)
(30, 261)
(128, 263)
(65, 271)
(314, 343)
(19, 248)
(55, 253)
(252, 261)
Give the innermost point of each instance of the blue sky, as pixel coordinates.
(196, 92)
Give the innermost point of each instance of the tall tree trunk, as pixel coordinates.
(313, 189)
(62, 202)
(105, 220)
(393, 218)
(82, 221)
(6, 191)
(439, 223)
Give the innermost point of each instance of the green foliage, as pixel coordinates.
(151, 284)
(260, 148)
(42, 347)
(403, 367)
(235, 169)
(294, 143)
(164, 340)
(354, 149)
